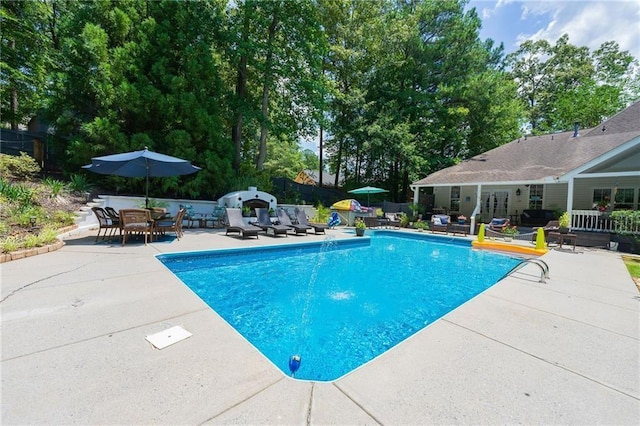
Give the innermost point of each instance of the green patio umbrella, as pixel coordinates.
(368, 190)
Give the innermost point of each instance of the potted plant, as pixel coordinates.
(563, 223)
(360, 226)
(421, 225)
(509, 232)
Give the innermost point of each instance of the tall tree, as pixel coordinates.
(143, 74)
(562, 83)
(26, 58)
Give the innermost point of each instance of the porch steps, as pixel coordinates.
(85, 218)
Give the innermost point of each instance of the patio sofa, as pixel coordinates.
(536, 217)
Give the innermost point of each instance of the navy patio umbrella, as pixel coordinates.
(143, 163)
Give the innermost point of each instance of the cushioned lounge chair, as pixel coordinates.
(393, 219)
(284, 219)
(498, 224)
(236, 224)
(551, 226)
(440, 223)
(302, 220)
(264, 222)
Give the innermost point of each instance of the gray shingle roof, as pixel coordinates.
(536, 158)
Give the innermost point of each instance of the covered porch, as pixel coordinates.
(590, 199)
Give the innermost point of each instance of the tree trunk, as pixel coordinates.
(241, 94)
(320, 166)
(405, 186)
(264, 124)
(14, 98)
(338, 164)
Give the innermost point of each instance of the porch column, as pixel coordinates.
(570, 200)
(416, 195)
(476, 210)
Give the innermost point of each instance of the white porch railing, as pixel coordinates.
(596, 221)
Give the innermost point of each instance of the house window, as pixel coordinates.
(624, 198)
(535, 197)
(601, 198)
(455, 199)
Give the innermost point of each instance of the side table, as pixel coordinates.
(458, 228)
(204, 219)
(561, 238)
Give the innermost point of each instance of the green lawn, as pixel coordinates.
(633, 265)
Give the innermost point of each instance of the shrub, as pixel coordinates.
(80, 184)
(322, 215)
(63, 218)
(421, 225)
(510, 231)
(31, 241)
(47, 235)
(4, 228)
(404, 220)
(54, 185)
(22, 167)
(9, 244)
(563, 220)
(154, 203)
(17, 193)
(23, 216)
(626, 221)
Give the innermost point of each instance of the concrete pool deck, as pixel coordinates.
(74, 323)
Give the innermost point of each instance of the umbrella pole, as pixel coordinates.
(146, 192)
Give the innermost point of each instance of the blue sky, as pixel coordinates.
(588, 23)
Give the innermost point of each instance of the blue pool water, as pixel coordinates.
(337, 304)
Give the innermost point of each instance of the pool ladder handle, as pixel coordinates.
(544, 268)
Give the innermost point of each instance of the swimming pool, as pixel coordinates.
(339, 303)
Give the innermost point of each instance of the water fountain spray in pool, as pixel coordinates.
(328, 243)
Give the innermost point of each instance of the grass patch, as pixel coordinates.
(633, 265)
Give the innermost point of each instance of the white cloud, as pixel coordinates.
(588, 23)
(488, 12)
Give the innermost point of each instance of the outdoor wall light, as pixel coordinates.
(518, 192)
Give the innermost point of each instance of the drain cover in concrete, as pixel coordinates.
(168, 337)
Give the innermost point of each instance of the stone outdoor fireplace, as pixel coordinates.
(251, 198)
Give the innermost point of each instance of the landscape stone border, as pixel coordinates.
(21, 254)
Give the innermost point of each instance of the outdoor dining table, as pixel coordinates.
(157, 216)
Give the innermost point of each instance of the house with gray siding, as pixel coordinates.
(587, 172)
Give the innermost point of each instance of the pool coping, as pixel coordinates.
(73, 348)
